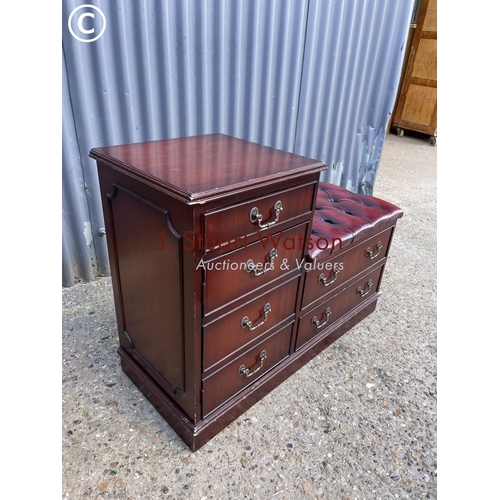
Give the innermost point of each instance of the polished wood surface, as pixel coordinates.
(227, 277)
(312, 323)
(151, 286)
(350, 263)
(232, 227)
(199, 167)
(226, 335)
(228, 381)
(180, 323)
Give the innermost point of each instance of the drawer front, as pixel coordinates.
(325, 314)
(246, 369)
(325, 276)
(230, 276)
(247, 323)
(232, 226)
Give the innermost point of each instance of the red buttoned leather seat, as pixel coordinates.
(343, 215)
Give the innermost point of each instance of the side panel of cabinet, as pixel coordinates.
(149, 253)
(144, 231)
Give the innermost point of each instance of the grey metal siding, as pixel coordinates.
(316, 77)
(352, 68)
(78, 256)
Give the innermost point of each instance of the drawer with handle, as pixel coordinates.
(248, 322)
(326, 313)
(327, 275)
(244, 370)
(233, 226)
(231, 276)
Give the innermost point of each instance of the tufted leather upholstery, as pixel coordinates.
(342, 215)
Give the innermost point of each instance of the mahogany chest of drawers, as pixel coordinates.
(215, 261)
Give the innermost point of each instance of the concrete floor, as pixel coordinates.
(357, 422)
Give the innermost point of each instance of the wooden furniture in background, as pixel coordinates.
(417, 105)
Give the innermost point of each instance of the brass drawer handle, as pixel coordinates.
(362, 292)
(323, 281)
(246, 323)
(370, 254)
(251, 267)
(316, 322)
(243, 370)
(256, 217)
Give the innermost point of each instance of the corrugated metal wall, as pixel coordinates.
(352, 64)
(315, 77)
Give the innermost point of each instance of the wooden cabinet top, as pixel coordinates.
(200, 168)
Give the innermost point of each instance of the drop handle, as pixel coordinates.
(242, 370)
(251, 267)
(256, 217)
(246, 323)
(366, 290)
(369, 253)
(333, 276)
(315, 320)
